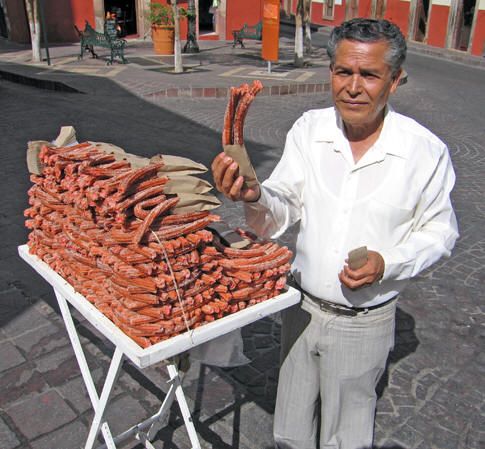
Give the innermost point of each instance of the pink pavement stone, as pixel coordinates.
(41, 414)
(209, 92)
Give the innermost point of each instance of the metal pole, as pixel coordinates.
(269, 66)
(44, 31)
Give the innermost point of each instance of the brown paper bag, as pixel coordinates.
(246, 169)
(192, 202)
(178, 166)
(33, 162)
(186, 184)
(67, 136)
(122, 155)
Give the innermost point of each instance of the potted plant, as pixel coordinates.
(162, 21)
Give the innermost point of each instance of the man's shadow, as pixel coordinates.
(405, 344)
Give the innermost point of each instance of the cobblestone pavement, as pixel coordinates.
(432, 396)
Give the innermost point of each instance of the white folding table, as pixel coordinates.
(142, 358)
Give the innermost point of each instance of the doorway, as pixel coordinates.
(464, 22)
(207, 16)
(3, 24)
(421, 20)
(125, 11)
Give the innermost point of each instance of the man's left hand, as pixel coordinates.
(371, 272)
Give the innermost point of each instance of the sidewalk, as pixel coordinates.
(209, 73)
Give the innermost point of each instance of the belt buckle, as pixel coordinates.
(325, 307)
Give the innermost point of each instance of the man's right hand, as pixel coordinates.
(227, 180)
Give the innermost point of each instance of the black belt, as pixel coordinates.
(339, 309)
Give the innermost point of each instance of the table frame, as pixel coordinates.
(125, 347)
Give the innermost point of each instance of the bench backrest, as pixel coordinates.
(90, 34)
(255, 31)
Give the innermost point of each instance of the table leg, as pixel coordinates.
(86, 373)
(184, 408)
(113, 371)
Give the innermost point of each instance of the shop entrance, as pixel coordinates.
(207, 13)
(464, 22)
(421, 20)
(3, 24)
(125, 11)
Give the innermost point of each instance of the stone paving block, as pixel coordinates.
(209, 392)
(13, 235)
(8, 440)
(263, 326)
(256, 426)
(58, 366)
(403, 400)
(9, 356)
(71, 436)
(41, 414)
(407, 436)
(223, 433)
(42, 340)
(385, 405)
(75, 393)
(23, 317)
(31, 283)
(263, 342)
(12, 305)
(266, 361)
(20, 382)
(123, 412)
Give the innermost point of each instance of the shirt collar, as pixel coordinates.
(333, 131)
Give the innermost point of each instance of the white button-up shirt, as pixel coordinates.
(395, 200)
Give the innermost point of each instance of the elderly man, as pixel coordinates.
(353, 175)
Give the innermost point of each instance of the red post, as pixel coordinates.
(271, 30)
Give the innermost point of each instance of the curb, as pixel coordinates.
(38, 83)
(224, 92)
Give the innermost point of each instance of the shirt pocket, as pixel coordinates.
(390, 215)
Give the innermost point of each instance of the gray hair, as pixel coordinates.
(371, 30)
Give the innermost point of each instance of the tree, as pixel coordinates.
(299, 60)
(178, 67)
(303, 39)
(32, 8)
(307, 4)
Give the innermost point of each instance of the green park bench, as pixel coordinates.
(254, 32)
(90, 38)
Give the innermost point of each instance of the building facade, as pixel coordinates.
(452, 24)
(215, 19)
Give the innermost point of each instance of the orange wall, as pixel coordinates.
(397, 12)
(240, 12)
(478, 44)
(437, 26)
(61, 17)
(365, 8)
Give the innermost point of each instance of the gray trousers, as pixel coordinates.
(335, 362)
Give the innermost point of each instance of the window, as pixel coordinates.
(328, 7)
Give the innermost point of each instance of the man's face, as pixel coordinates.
(362, 82)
